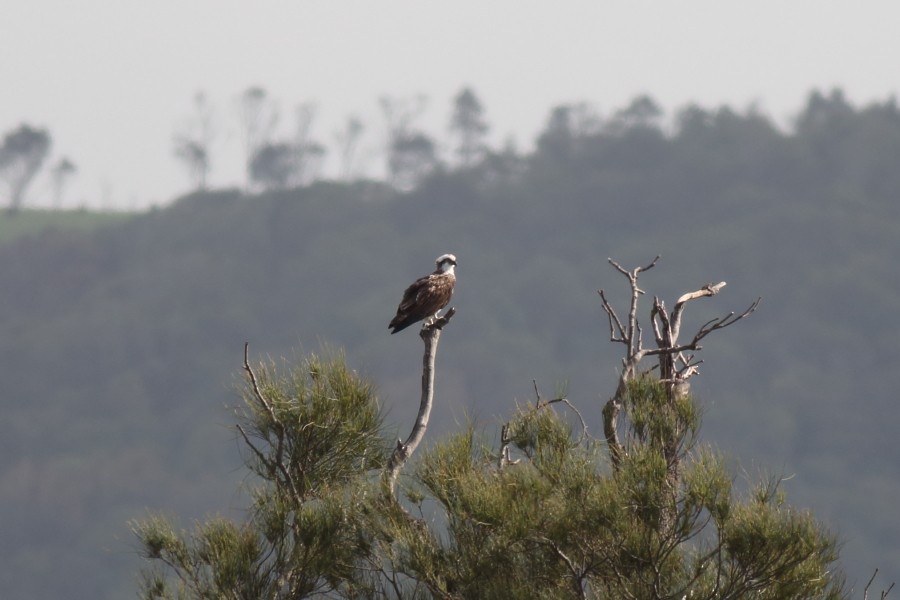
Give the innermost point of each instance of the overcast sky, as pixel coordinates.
(113, 79)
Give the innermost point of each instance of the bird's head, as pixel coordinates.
(445, 263)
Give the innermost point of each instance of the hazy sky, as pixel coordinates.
(113, 79)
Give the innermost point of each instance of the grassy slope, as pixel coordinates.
(33, 221)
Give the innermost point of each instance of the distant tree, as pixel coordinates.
(21, 156)
(309, 152)
(411, 154)
(563, 138)
(546, 514)
(258, 115)
(468, 126)
(274, 165)
(348, 146)
(193, 145)
(501, 167)
(643, 111)
(824, 114)
(60, 173)
(297, 161)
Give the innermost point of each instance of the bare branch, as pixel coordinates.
(577, 577)
(707, 290)
(259, 455)
(256, 392)
(634, 273)
(674, 367)
(651, 265)
(584, 429)
(431, 335)
(505, 440)
(631, 335)
(866, 589)
(279, 427)
(615, 325)
(610, 430)
(884, 593)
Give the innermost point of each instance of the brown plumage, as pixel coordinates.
(427, 295)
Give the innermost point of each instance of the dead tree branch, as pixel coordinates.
(675, 368)
(630, 335)
(431, 335)
(884, 593)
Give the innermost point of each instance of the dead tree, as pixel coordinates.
(676, 362)
(431, 335)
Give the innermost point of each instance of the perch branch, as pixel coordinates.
(431, 335)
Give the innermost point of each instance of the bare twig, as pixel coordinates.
(259, 455)
(430, 334)
(884, 593)
(277, 462)
(577, 576)
(617, 333)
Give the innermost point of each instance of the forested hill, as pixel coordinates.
(120, 345)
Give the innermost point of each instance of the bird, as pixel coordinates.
(427, 295)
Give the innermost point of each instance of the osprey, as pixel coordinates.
(427, 295)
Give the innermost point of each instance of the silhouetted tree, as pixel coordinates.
(566, 125)
(21, 156)
(413, 157)
(348, 145)
(258, 117)
(643, 111)
(61, 172)
(308, 152)
(469, 127)
(411, 154)
(274, 165)
(193, 144)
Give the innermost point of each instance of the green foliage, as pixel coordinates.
(334, 421)
(555, 523)
(568, 528)
(313, 435)
(655, 418)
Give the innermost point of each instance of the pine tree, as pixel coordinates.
(645, 512)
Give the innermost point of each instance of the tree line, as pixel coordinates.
(274, 160)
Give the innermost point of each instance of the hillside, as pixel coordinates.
(32, 222)
(121, 344)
